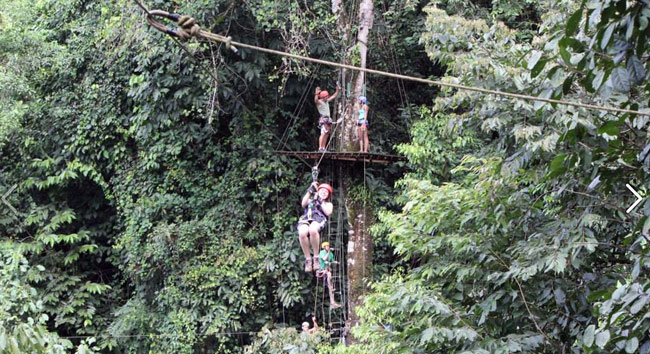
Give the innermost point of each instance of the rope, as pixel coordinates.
(343, 260)
(298, 109)
(332, 134)
(165, 29)
(363, 227)
(316, 297)
(142, 7)
(153, 335)
(190, 28)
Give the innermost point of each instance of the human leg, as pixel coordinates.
(314, 238)
(303, 237)
(324, 135)
(330, 285)
(360, 138)
(365, 137)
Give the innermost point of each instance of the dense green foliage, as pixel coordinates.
(514, 217)
(151, 214)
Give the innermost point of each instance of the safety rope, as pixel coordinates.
(343, 259)
(188, 28)
(363, 227)
(298, 109)
(340, 270)
(316, 297)
(403, 93)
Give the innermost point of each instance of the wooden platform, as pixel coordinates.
(344, 156)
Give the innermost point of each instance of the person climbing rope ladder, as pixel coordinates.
(326, 258)
(317, 209)
(322, 100)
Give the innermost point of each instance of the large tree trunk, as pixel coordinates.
(359, 255)
(343, 28)
(360, 243)
(357, 79)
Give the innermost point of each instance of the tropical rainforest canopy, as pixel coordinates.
(144, 209)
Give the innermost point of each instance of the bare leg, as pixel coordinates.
(331, 288)
(314, 238)
(303, 237)
(322, 141)
(360, 137)
(365, 137)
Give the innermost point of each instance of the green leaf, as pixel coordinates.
(607, 35)
(602, 338)
(638, 305)
(609, 128)
(636, 269)
(426, 335)
(558, 162)
(534, 58)
(3, 340)
(544, 94)
(538, 68)
(13, 346)
(621, 80)
(631, 345)
(635, 69)
(566, 86)
(588, 337)
(566, 56)
(646, 224)
(573, 22)
(598, 79)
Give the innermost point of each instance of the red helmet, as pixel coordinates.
(324, 94)
(326, 186)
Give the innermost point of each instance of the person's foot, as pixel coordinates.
(321, 150)
(308, 265)
(335, 305)
(316, 263)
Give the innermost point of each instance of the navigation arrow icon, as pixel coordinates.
(638, 198)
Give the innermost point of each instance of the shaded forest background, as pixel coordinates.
(151, 214)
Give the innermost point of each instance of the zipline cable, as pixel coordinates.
(154, 335)
(189, 29)
(214, 77)
(183, 47)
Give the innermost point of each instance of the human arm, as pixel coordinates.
(336, 93)
(311, 190)
(328, 208)
(313, 318)
(316, 92)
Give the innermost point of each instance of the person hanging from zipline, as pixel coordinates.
(362, 124)
(317, 209)
(326, 259)
(322, 99)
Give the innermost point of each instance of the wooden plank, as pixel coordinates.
(344, 156)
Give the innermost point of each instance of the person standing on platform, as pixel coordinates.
(362, 124)
(322, 99)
